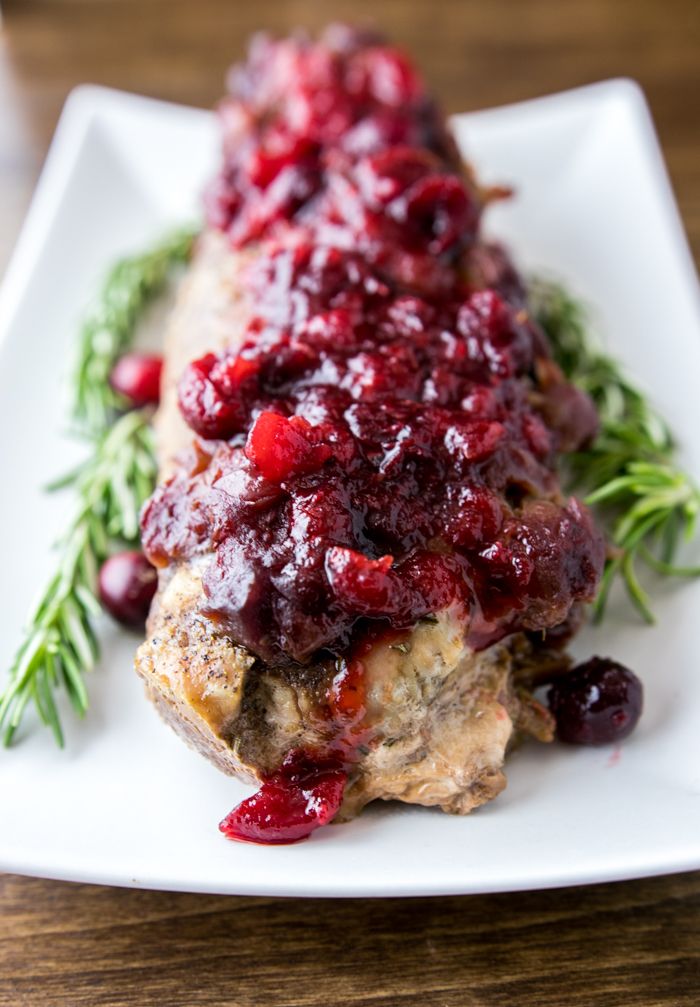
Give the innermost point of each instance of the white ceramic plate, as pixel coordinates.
(127, 803)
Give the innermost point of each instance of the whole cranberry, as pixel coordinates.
(127, 583)
(597, 703)
(281, 448)
(136, 376)
(440, 211)
(386, 174)
(208, 399)
(473, 517)
(387, 76)
(367, 585)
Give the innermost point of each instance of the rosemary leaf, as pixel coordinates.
(644, 501)
(108, 331)
(61, 636)
(60, 645)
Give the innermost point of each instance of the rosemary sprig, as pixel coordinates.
(647, 504)
(107, 332)
(60, 646)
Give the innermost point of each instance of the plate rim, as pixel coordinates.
(83, 104)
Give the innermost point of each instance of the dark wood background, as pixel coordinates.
(636, 943)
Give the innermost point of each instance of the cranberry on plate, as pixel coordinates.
(136, 376)
(597, 703)
(302, 795)
(127, 583)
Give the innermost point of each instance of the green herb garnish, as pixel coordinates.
(60, 646)
(108, 331)
(645, 502)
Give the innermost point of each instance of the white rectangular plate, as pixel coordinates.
(127, 803)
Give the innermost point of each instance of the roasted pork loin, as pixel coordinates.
(360, 535)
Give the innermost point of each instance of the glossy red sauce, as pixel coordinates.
(305, 793)
(340, 135)
(373, 453)
(307, 789)
(383, 443)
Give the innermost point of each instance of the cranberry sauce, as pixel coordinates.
(372, 455)
(305, 793)
(334, 133)
(383, 443)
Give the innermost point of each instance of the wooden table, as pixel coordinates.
(636, 943)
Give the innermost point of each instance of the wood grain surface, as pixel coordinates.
(606, 946)
(635, 943)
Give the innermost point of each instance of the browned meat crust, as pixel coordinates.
(211, 313)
